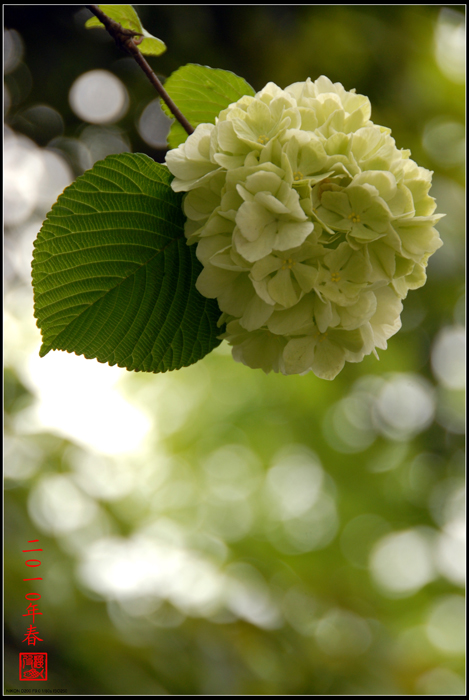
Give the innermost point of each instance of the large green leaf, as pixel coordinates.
(113, 276)
(128, 18)
(201, 93)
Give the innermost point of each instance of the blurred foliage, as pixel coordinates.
(272, 535)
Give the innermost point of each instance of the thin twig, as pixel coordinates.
(125, 39)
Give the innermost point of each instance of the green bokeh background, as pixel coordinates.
(298, 607)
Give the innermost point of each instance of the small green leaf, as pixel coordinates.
(113, 277)
(201, 93)
(128, 18)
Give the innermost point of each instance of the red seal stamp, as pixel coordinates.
(33, 666)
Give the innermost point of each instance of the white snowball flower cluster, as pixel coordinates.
(310, 224)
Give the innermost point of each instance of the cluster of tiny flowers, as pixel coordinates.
(310, 224)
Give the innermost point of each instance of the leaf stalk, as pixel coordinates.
(125, 39)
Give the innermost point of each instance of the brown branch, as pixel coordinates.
(125, 39)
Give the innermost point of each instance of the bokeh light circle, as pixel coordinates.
(405, 406)
(449, 357)
(99, 97)
(401, 563)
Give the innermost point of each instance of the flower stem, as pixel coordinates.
(125, 39)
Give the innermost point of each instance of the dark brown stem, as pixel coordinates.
(125, 39)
